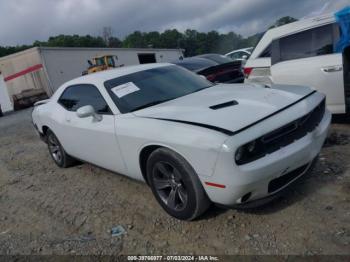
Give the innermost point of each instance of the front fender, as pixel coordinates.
(198, 145)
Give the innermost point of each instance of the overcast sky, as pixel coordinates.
(24, 21)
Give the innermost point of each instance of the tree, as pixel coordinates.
(170, 39)
(106, 34)
(8, 50)
(192, 41)
(114, 42)
(189, 42)
(135, 40)
(72, 41)
(152, 39)
(212, 41)
(283, 21)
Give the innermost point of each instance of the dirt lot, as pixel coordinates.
(47, 210)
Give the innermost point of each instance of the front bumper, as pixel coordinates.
(296, 174)
(266, 176)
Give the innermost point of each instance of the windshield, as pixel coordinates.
(99, 61)
(154, 86)
(110, 61)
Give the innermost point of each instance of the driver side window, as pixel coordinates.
(77, 96)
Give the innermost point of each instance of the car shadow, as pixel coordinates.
(341, 119)
(290, 196)
(212, 212)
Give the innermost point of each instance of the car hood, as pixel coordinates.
(246, 104)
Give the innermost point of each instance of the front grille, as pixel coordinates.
(284, 135)
(281, 181)
(295, 130)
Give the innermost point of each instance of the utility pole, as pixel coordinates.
(106, 34)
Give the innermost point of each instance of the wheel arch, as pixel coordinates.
(202, 200)
(45, 129)
(143, 158)
(145, 153)
(43, 132)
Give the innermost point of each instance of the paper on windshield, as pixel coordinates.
(125, 89)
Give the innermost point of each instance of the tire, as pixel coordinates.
(57, 153)
(176, 185)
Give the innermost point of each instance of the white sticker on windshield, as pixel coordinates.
(125, 89)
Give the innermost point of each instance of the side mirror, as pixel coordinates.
(244, 57)
(86, 111)
(89, 62)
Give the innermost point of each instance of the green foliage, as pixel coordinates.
(136, 39)
(114, 42)
(8, 50)
(283, 21)
(192, 41)
(72, 41)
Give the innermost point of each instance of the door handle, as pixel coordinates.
(331, 69)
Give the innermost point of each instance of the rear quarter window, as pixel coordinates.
(266, 52)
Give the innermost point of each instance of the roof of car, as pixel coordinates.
(247, 49)
(208, 55)
(195, 60)
(195, 63)
(192, 58)
(113, 73)
(218, 58)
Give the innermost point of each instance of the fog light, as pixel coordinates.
(246, 197)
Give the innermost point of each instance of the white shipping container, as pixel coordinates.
(5, 101)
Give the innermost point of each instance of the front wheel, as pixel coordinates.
(176, 185)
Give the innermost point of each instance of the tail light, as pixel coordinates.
(211, 77)
(220, 72)
(247, 71)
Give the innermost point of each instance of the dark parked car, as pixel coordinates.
(220, 59)
(214, 67)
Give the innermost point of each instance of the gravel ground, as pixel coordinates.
(47, 210)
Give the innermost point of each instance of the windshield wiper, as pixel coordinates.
(153, 103)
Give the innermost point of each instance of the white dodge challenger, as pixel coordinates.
(193, 142)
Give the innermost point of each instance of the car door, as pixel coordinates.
(307, 58)
(88, 139)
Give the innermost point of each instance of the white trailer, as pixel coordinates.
(46, 68)
(5, 101)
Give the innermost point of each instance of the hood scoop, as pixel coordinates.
(223, 105)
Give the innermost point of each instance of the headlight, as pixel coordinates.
(239, 154)
(249, 152)
(251, 146)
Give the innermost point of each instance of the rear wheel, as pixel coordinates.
(59, 156)
(175, 185)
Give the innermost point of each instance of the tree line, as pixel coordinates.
(192, 41)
